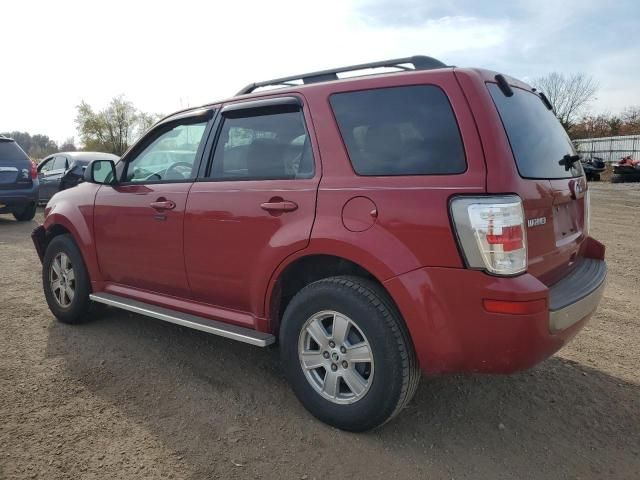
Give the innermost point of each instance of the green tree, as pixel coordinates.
(113, 129)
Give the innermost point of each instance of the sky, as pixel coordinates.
(164, 56)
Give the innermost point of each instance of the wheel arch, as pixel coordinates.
(57, 224)
(301, 270)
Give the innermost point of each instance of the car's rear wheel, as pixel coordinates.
(27, 214)
(347, 354)
(65, 280)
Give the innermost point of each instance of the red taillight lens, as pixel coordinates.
(491, 232)
(34, 170)
(510, 238)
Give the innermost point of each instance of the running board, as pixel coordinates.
(241, 334)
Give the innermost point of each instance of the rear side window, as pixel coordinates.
(537, 138)
(400, 131)
(11, 153)
(263, 147)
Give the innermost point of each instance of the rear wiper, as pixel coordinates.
(569, 160)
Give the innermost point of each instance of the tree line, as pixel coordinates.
(39, 146)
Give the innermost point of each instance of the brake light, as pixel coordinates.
(34, 170)
(491, 233)
(510, 238)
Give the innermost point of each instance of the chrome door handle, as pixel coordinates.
(281, 206)
(163, 205)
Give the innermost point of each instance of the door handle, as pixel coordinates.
(163, 205)
(280, 206)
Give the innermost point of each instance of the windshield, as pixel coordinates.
(537, 138)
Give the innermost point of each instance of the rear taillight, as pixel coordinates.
(34, 170)
(491, 233)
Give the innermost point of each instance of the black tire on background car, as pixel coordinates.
(359, 368)
(618, 178)
(27, 214)
(65, 280)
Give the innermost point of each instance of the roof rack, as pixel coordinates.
(419, 62)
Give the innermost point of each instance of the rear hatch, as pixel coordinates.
(554, 190)
(15, 166)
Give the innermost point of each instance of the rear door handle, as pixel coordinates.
(281, 206)
(163, 205)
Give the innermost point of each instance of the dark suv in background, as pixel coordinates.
(65, 170)
(18, 181)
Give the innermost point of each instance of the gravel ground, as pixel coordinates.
(131, 397)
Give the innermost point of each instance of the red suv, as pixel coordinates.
(433, 219)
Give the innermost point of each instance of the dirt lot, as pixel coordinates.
(130, 397)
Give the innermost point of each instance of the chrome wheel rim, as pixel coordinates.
(336, 357)
(62, 280)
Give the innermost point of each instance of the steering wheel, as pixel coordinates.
(173, 166)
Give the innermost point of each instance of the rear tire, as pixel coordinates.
(372, 365)
(27, 214)
(65, 280)
(617, 178)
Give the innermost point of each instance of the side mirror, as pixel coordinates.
(101, 172)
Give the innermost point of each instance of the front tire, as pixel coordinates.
(65, 280)
(346, 353)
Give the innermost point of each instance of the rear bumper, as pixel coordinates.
(452, 332)
(16, 200)
(577, 295)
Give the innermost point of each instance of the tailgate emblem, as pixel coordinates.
(534, 222)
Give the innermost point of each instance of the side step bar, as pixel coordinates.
(241, 334)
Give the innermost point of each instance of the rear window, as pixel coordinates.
(537, 138)
(11, 154)
(400, 131)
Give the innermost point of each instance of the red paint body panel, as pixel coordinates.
(137, 245)
(219, 255)
(452, 332)
(73, 210)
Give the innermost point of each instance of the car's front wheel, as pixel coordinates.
(65, 280)
(347, 354)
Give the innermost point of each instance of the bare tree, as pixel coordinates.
(569, 94)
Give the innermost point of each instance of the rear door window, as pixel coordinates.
(274, 146)
(400, 131)
(537, 138)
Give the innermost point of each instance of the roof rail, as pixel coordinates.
(419, 62)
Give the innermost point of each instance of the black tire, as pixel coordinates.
(78, 308)
(596, 177)
(396, 374)
(27, 214)
(617, 178)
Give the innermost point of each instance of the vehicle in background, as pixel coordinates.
(434, 219)
(593, 167)
(626, 170)
(18, 181)
(65, 170)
